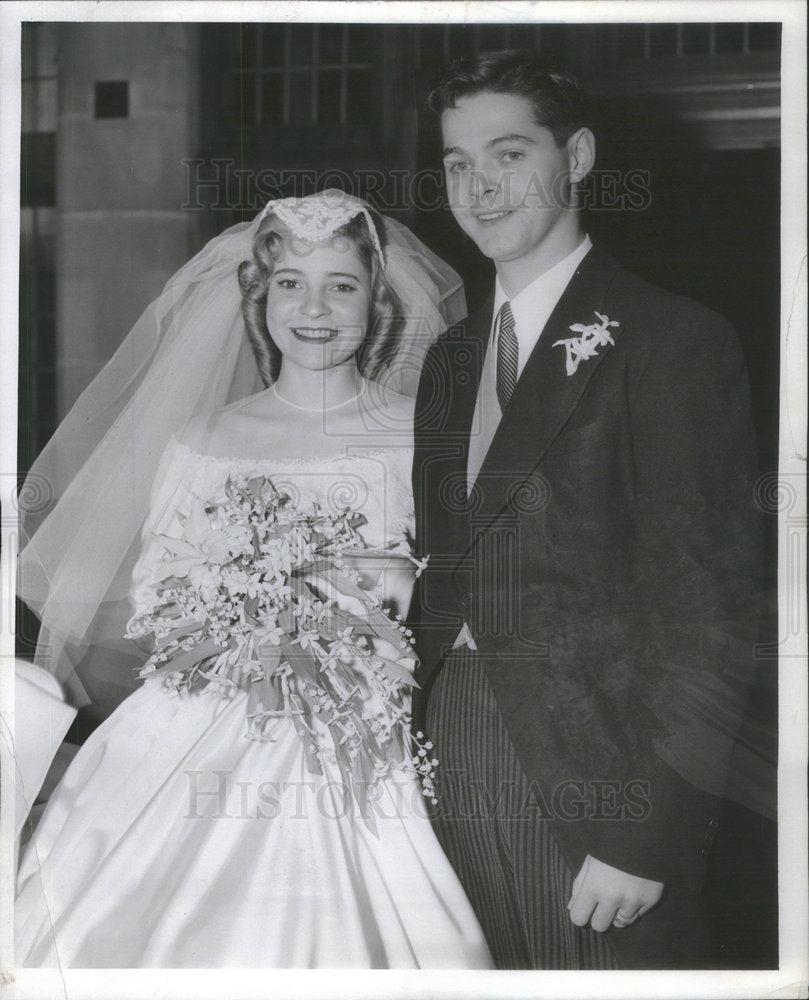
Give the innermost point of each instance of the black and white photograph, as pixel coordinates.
(403, 500)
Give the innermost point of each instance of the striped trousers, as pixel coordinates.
(492, 831)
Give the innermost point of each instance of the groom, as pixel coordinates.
(583, 477)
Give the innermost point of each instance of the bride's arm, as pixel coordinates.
(169, 491)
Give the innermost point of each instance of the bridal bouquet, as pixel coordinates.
(259, 594)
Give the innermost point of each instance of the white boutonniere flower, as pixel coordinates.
(587, 343)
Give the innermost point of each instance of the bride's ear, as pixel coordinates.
(581, 154)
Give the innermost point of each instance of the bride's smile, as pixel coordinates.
(317, 336)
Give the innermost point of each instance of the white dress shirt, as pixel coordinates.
(531, 308)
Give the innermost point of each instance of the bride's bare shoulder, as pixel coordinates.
(387, 417)
(384, 400)
(227, 432)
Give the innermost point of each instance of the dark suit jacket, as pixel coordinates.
(606, 562)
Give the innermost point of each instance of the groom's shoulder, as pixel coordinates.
(650, 310)
(476, 326)
(663, 330)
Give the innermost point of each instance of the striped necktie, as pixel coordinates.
(508, 352)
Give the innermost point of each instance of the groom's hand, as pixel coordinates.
(603, 896)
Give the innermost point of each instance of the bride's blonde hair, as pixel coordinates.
(386, 320)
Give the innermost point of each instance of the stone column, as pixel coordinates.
(122, 230)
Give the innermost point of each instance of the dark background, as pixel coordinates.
(297, 107)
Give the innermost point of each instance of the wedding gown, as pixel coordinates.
(174, 841)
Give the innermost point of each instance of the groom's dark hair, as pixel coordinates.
(558, 100)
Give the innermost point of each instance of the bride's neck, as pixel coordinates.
(316, 389)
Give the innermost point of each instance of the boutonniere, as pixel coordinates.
(587, 343)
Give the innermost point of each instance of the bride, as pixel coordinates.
(173, 840)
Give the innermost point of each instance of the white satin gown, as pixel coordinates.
(173, 841)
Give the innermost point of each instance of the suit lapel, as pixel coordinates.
(476, 339)
(545, 395)
(441, 485)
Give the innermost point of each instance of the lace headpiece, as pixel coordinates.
(317, 217)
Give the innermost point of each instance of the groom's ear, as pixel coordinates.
(581, 154)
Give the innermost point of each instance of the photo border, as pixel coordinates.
(791, 978)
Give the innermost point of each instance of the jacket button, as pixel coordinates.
(713, 824)
(466, 600)
(704, 852)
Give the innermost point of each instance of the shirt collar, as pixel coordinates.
(533, 305)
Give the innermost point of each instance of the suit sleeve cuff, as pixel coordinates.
(671, 838)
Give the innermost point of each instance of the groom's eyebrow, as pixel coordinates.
(512, 137)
